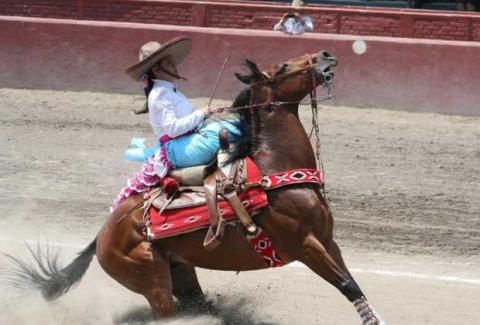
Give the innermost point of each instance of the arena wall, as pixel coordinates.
(396, 73)
(258, 15)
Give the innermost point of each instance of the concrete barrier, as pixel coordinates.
(395, 73)
(351, 20)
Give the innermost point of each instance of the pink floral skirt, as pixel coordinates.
(140, 182)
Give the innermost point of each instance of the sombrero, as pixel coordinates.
(152, 52)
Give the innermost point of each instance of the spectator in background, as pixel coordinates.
(468, 5)
(294, 23)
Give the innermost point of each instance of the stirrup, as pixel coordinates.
(213, 237)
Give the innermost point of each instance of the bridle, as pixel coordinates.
(311, 67)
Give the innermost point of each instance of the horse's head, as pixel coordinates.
(291, 80)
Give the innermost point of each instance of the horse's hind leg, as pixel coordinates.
(126, 257)
(185, 285)
(145, 272)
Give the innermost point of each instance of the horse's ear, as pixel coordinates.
(256, 73)
(253, 67)
(244, 78)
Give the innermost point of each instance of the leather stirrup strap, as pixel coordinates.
(229, 192)
(217, 224)
(228, 183)
(241, 212)
(210, 187)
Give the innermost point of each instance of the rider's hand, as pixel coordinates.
(207, 111)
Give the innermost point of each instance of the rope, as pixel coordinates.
(316, 129)
(318, 158)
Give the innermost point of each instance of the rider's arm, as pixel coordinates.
(280, 25)
(162, 117)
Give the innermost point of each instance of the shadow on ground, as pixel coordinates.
(219, 311)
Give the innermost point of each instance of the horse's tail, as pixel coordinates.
(48, 276)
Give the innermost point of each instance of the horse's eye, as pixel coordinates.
(282, 69)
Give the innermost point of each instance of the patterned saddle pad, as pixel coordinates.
(173, 222)
(189, 212)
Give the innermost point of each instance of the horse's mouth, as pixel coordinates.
(325, 76)
(324, 67)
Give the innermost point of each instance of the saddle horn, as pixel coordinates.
(223, 139)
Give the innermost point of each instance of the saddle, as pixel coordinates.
(206, 185)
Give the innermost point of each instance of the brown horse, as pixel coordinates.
(298, 220)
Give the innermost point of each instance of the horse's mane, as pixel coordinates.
(243, 145)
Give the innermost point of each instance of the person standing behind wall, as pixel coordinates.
(468, 5)
(294, 23)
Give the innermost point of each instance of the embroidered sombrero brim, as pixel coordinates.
(152, 52)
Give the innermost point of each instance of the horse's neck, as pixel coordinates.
(280, 142)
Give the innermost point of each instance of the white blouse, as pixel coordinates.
(170, 112)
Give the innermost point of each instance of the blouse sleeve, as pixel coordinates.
(165, 117)
(278, 26)
(307, 20)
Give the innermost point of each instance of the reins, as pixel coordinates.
(274, 103)
(315, 128)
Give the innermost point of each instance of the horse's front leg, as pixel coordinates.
(328, 263)
(305, 234)
(322, 255)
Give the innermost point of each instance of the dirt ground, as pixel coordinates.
(403, 188)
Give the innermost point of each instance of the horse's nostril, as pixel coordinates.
(328, 76)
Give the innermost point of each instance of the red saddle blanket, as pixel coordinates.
(180, 221)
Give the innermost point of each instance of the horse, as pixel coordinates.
(297, 220)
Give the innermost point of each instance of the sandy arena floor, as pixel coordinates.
(403, 188)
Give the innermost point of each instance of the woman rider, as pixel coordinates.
(186, 140)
